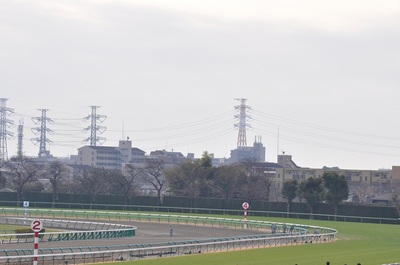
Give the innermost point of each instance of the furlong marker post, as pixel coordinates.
(36, 227)
(245, 206)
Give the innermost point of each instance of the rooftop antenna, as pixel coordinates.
(123, 132)
(277, 146)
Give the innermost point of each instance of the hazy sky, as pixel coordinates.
(323, 77)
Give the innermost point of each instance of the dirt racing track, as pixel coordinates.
(146, 233)
(132, 236)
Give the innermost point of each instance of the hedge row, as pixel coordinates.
(115, 202)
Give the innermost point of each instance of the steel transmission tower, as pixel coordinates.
(94, 128)
(243, 118)
(42, 140)
(20, 152)
(4, 124)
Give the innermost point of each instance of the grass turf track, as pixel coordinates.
(368, 244)
(10, 229)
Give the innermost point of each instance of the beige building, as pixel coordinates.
(396, 178)
(363, 183)
(110, 157)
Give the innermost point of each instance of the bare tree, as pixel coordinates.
(92, 181)
(396, 202)
(3, 179)
(362, 190)
(56, 172)
(22, 172)
(396, 196)
(127, 181)
(257, 183)
(186, 179)
(381, 187)
(154, 174)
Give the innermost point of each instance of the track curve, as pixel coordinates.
(188, 232)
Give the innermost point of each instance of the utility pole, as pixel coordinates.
(243, 117)
(4, 124)
(42, 140)
(94, 128)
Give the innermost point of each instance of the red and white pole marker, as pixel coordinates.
(245, 206)
(36, 227)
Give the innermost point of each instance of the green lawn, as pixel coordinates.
(10, 229)
(368, 244)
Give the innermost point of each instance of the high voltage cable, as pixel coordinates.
(221, 116)
(179, 126)
(70, 135)
(314, 135)
(326, 128)
(199, 140)
(331, 138)
(193, 129)
(341, 148)
(181, 134)
(293, 139)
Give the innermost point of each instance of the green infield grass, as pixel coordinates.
(367, 244)
(10, 229)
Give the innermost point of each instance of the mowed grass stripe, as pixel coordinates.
(10, 229)
(368, 244)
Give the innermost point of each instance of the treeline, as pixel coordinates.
(197, 182)
(192, 178)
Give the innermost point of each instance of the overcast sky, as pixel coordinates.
(322, 77)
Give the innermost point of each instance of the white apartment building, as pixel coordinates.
(110, 157)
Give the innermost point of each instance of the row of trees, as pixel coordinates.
(331, 188)
(192, 178)
(21, 175)
(199, 178)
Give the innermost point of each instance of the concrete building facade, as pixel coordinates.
(362, 183)
(109, 157)
(243, 153)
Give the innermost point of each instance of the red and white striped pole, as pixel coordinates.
(245, 206)
(35, 248)
(36, 227)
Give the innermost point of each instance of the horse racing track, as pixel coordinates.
(81, 237)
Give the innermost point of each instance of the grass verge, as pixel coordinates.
(368, 244)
